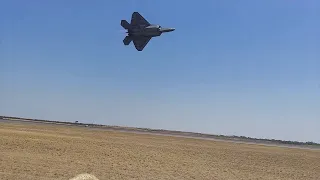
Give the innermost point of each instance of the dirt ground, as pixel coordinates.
(51, 152)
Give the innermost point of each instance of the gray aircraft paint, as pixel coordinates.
(140, 31)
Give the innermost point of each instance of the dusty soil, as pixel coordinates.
(50, 152)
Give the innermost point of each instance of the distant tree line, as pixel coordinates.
(244, 138)
(278, 141)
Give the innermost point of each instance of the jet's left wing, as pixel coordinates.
(138, 20)
(141, 42)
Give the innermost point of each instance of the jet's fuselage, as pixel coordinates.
(150, 31)
(140, 31)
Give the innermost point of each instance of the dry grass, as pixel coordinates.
(29, 151)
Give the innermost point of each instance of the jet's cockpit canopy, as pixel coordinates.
(154, 26)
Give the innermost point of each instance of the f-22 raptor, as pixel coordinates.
(140, 31)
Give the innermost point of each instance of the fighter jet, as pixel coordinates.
(140, 31)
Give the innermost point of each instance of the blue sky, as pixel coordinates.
(237, 68)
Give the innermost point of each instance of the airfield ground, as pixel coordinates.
(52, 152)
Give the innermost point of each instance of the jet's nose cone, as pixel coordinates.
(170, 29)
(167, 29)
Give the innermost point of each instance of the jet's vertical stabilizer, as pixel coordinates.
(125, 24)
(127, 40)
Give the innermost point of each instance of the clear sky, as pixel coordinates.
(247, 68)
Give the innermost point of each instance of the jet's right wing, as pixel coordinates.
(141, 42)
(138, 20)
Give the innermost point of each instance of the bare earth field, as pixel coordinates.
(52, 152)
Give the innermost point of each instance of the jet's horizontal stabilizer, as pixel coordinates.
(127, 40)
(125, 24)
